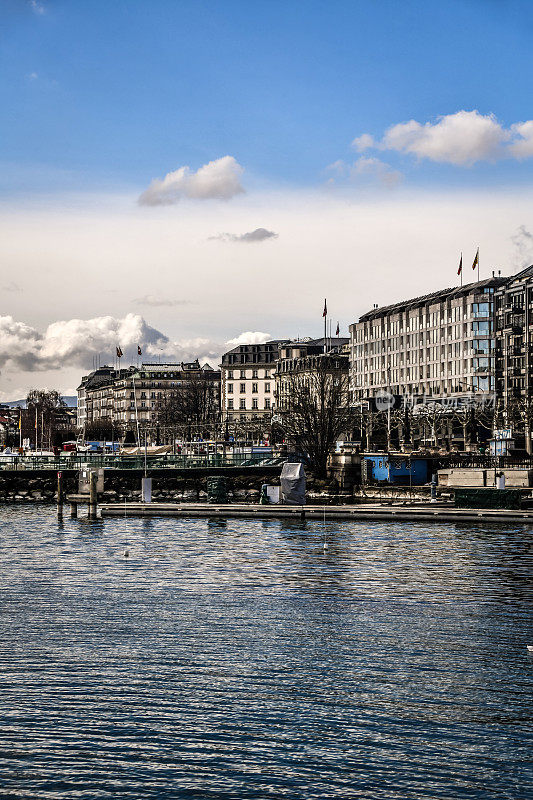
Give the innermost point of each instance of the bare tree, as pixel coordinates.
(43, 409)
(193, 407)
(314, 411)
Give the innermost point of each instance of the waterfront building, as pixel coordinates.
(305, 357)
(127, 397)
(440, 345)
(513, 320)
(248, 383)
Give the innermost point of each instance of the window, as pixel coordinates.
(230, 388)
(254, 403)
(242, 388)
(483, 328)
(242, 404)
(267, 373)
(242, 373)
(254, 388)
(255, 373)
(267, 387)
(230, 374)
(267, 402)
(230, 404)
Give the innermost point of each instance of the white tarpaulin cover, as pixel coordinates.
(293, 484)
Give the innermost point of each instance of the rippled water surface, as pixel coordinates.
(241, 659)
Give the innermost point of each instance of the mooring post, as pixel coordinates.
(59, 494)
(73, 509)
(92, 494)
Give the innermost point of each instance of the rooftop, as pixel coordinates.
(426, 299)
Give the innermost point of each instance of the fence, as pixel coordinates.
(167, 461)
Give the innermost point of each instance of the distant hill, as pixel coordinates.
(70, 400)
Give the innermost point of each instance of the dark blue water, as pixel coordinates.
(241, 660)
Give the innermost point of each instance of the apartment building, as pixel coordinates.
(129, 396)
(513, 321)
(248, 381)
(438, 345)
(305, 357)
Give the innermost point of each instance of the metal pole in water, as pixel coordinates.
(59, 494)
(92, 494)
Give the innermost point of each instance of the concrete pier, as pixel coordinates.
(377, 513)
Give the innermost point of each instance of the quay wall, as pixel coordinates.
(27, 486)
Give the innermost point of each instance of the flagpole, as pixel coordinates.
(478, 265)
(325, 323)
(461, 268)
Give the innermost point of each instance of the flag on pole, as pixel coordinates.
(119, 352)
(460, 265)
(20, 419)
(476, 260)
(338, 330)
(325, 312)
(139, 351)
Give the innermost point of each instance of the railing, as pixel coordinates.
(166, 461)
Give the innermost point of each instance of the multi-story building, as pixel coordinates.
(439, 345)
(99, 377)
(129, 396)
(248, 382)
(514, 336)
(308, 356)
(513, 320)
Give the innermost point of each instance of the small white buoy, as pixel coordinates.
(530, 648)
(126, 553)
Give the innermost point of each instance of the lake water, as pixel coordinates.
(240, 659)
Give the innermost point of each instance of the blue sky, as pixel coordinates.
(187, 174)
(108, 93)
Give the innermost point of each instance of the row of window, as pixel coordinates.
(255, 404)
(231, 374)
(255, 388)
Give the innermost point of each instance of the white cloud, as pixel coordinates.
(217, 180)
(462, 139)
(375, 168)
(33, 76)
(363, 142)
(522, 240)
(37, 7)
(155, 301)
(74, 342)
(522, 145)
(364, 168)
(11, 287)
(249, 337)
(257, 235)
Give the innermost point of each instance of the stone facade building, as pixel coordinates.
(129, 396)
(248, 382)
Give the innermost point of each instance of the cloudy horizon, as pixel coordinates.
(186, 202)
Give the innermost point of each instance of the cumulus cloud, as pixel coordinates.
(462, 139)
(363, 142)
(155, 301)
(37, 7)
(250, 337)
(217, 180)
(522, 144)
(523, 245)
(257, 235)
(364, 168)
(74, 342)
(11, 287)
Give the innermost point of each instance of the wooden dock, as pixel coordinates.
(378, 513)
